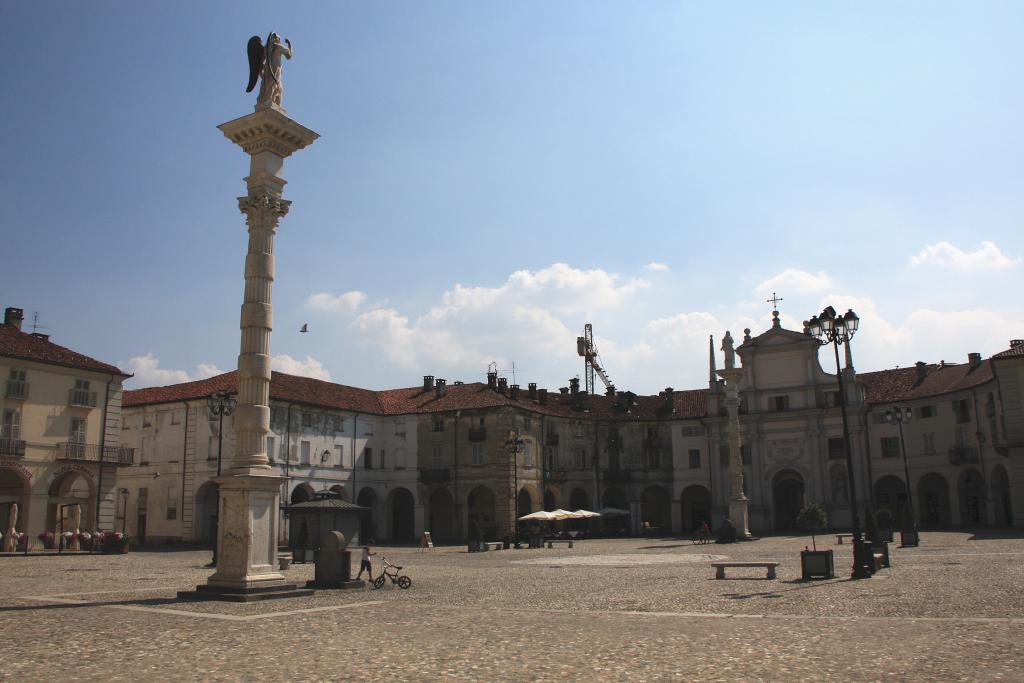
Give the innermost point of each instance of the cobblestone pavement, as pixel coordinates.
(625, 609)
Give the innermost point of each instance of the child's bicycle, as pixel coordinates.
(390, 571)
(701, 536)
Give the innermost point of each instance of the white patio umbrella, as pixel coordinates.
(539, 516)
(584, 514)
(613, 512)
(562, 514)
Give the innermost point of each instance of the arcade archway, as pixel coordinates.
(695, 502)
(971, 490)
(402, 516)
(368, 499)
(441, 524)
(933, 497)
(480, 512)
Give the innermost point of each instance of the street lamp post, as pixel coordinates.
(124, 511)
(221, 403)
(828, 327)
(908, 535)
(513, 444)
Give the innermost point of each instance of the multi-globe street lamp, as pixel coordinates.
(220, 404)
(828, 327)
(900, 415)
(513, 446)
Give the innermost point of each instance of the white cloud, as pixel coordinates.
(148, 372)
(309, 367)
(795, 281)
(348, 302)
(520, 320)
(987, 256)
(658, 267)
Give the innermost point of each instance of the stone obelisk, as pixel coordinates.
(250, 489)
(738, 513)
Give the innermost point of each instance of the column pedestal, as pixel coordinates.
(247, 543)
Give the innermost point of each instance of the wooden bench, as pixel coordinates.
(720, 567)
(552, 542)
(492, 545)
(840, 537)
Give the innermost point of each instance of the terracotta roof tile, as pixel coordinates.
(415, 400)
(1015, 351)
(17, 344)
(902, 384)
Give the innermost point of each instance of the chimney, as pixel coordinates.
(974, 360)
(542, 396)
(922, 371)
(532, 390)
(574, 385)
(513, 392)
(502, 385)
(441, 387)
(428, 382)
(563, 390)
(13, 317)
(610, 391)
(40, 335)
(1014, 343)
(458, 382)
(492, 380)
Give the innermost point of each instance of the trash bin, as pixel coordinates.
(506, 543)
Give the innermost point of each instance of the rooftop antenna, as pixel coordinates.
(513, 372)
(35, 322)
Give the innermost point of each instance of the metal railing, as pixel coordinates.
(477, 434)
(88, 452)
(438, 475)
(12, 448)
(962, 454)
(17, 389)
(82, 397)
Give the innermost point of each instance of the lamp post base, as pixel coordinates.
(863, 560)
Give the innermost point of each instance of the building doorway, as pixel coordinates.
(402, 523)
(788, 498)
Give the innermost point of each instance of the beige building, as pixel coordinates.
(449, 458)
(60, 441)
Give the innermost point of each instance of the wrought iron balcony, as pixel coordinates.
(477, 434)
(81, 397)
(17, 389)
(617, 476)
(551, 439)
(962, 454)
(652, 442)
(88, 452)
(437, 475)
(12, 448)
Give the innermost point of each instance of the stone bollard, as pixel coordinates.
(333, 564)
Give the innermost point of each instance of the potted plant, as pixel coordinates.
(114, 542)
(815, 564)
(85, 540)
(48, 540)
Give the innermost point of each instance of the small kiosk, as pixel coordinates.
(308, 521)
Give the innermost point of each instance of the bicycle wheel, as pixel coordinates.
(379, 582)
(404, 582)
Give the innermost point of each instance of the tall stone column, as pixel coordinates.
(738, 514)
(250, 489)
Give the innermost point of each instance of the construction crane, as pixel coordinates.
(591, 359)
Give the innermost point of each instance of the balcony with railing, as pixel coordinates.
(82, 397)
(436, 475)
(617, 476)
(477, 434)
(652, 442)
(17, 390)
(12, 448)
(959, 455)
(551, 439)
(89, 452)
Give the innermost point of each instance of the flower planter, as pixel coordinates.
(817, 564)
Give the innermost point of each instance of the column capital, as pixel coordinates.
(268, 130)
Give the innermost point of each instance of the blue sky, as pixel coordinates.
(491, 176)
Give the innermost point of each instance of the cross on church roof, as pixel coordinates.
(774, 301)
